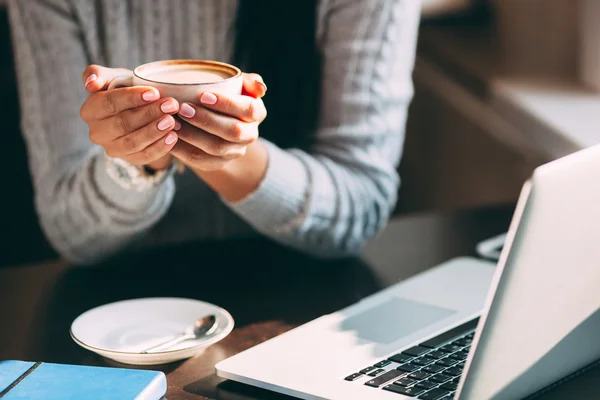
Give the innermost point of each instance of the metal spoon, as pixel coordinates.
(203, 327)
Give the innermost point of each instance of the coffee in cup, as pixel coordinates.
(184, 80)
(187, 75)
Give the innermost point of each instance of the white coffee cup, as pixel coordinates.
(184, 80)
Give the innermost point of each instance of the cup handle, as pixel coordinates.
(120, 81)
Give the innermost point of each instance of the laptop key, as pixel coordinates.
(437, 354)
(460, 355)
(433, 369)
(424, 360)
(367, 370)
(454, 371)
(416, 351)
(446, 362)
(401, 358)
(407, 391)
(450, 348)
(441, 378)
(384, 378)
(419, 375)
(376, 372)
(463, 342)
(427, 385)
(408, 367)
(449, 386)
(434, 394)
(353, 377)
(382, 364)
(405, 382)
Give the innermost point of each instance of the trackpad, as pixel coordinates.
(396, 318)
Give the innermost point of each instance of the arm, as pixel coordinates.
(84, 213)
(330, 200)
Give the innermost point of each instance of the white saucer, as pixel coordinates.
(121, 330)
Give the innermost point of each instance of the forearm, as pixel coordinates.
(85, 214)
(307, 201)
(88, 217)
(319, 205)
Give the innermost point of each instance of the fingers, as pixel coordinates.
(146, 145)
(129, 121)
(226, 127)
(97, 77)
(137, 141)
(155, 151)
(197, 158)
(254, 86)
(245, 108)
(106, 104)
(211, 144)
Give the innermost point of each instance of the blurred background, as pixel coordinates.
(501, 86)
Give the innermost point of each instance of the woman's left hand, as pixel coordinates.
(222, 127)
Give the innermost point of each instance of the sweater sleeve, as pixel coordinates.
(331, 199)
(85, 215)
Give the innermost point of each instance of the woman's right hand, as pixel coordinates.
(131, 123)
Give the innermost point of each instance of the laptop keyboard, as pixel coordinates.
(429, 371)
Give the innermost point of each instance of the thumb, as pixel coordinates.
(96, 77)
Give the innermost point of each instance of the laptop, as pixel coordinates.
(466, 329)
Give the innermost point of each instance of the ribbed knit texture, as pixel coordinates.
(327, 201)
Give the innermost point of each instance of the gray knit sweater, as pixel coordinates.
(327, 201)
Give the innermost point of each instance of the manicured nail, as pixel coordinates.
(171, 138)
(165, 123)
(262, 86)
(90, 79)
(150, 95)
(208, 98)
(169, 106)
(187, 111)
(177, 125)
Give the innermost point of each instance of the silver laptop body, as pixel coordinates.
(539, 313)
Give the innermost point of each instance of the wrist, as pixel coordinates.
(239, 177)
(256, 155)
(133, 177)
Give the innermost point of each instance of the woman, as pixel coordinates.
(321, 178)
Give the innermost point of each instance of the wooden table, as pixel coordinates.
(267, 289)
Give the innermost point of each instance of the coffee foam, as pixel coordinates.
(187, 75)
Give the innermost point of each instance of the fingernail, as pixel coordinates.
(90, 79)
(169, 106)
(165, 123)
(150, 95)
(187, 111)
(262, 86)
(177, 125)
(171, 138)
(208, 98)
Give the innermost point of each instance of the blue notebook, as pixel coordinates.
(44, 381)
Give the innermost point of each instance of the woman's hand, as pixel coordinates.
(131, 123)
(221, 128)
